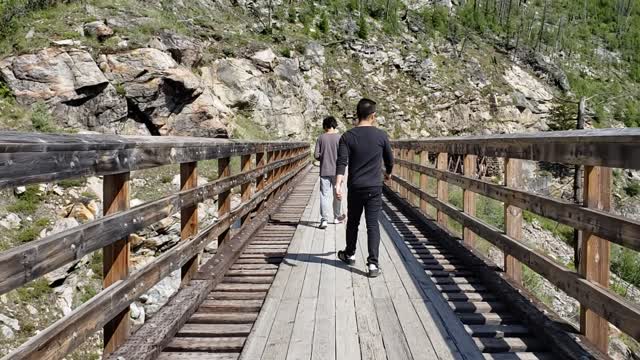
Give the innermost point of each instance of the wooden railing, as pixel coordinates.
(33, 158)
(598, 151)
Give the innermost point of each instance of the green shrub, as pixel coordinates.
(626, 264)
(633, 188)
(28, 201)
(564, 232)
(34, 290)
(120, 89)
(363, 28)
(41, 119)
(323, 25)
(69, 183)
(31, 231)
(88, 293)
(292, 14)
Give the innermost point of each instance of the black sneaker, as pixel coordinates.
(349, 260)
(374, 270)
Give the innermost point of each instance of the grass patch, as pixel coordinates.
(564, 232)
(70, 183)
(96, 264)
(32, 231)
(533, 282)
(87, 294)
(246, 129)
(632, 189)
(28, 202)
(34, 290)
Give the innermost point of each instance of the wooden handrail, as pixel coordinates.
(594, 149)
(617, 148)
(30, 158)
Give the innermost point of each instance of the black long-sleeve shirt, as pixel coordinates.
(363, 149)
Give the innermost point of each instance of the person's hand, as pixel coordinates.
(387, 177)
(339, 193)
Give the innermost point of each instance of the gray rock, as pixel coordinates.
(160, 293)
(20, 190)
(166, 96)
(184, 50)
(137, 314)
(10, 322)
(99, 29)
(264, 59)
(70, 84)
(315, 52)
(6, 332)
(11, 222)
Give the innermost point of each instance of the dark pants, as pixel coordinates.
(369, 200)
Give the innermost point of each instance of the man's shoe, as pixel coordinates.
(374, 270)
(340, 219)
(349, 260)
(323, 224)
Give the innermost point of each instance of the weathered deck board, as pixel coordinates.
(319, 308)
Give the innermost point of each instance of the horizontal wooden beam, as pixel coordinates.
(617, 148)
(36, 258)
(31, 158)
(72, 330)
(618, 311)
(617, 229)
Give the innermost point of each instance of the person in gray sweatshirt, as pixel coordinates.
(327, 152)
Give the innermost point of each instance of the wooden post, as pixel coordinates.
(424, 179)
(411, 177)
(403, 156)
(116, 258)
(595, 254)
(224, 198)
(260, 162)
(443, 189)
(469, 197)
(578, 177)
(246, 189)
(396, 170)
(189, 217)
(513, 218)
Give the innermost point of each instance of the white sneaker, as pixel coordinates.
(374, 270)
(339, 219)
(323, 224)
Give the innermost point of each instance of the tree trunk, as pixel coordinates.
(544, 19)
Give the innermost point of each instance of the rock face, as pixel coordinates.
(282, 100)
(165, 95)
(70, 83)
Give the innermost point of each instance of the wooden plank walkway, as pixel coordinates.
(319, 308)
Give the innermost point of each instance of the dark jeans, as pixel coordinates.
(369, 200)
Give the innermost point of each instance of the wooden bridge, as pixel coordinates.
(274, 288)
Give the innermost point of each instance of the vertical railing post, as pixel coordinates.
(469, 197)
(424, 180)
(403, 173)
(513, 218)
(443, 189)
(246, 189)
(595, 254)
(411, 177)
(396, 170)
(116, 258)
(189, 217)
(224, 198)
(260, 162)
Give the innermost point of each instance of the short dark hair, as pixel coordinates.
(329, 123)
(365, 108)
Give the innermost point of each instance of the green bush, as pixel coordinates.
(323, 25)
(28, 201)
(41, 119)
(633, 188)
(626, 264)
(292, 14)
(363, 28)
(69, 183)
(34, 290)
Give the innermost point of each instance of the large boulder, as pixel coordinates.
(71, 85)
(184, 50)
(167, 97)
(282, 101)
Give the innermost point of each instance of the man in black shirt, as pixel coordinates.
(363, 149)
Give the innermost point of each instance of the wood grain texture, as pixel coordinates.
(189, 217)
(513, 217)
(29, 261)
(224, 198)
(69, 332)
(424, 180)
(115, 263)
(616, 148)
(33, 158)
(469, 197)
(595, 254)
(443, 188)
(618, 229)
(618, 311)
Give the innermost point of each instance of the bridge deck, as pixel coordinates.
(318, 308)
